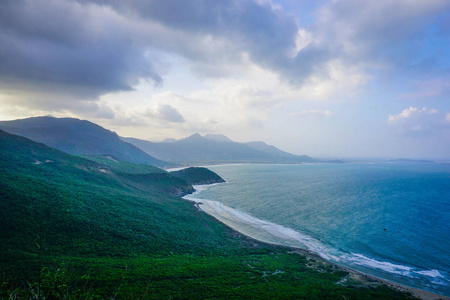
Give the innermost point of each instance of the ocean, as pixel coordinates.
(390, 220)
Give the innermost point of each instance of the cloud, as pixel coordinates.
(378, 28)
(175, 98)
(419, 122)
(411, 113)
(391, 37)
(161, 115)
(255, 27)
(246, 96)
(313, 112)
(57, 52)
(79, 50)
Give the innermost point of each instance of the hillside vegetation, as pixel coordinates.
(75, 228)
(79, 137)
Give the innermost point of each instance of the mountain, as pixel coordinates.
(411, 161)
(215, 148)
(263, 147)
(169, 140)
(80, 137)
(217, 138)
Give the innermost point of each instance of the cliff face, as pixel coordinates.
(198, 175)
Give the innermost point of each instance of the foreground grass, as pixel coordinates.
(259, 274)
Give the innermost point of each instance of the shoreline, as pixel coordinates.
(363, 279)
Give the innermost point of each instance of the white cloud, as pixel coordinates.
(313, 112)
(302, 40)
(419, 122)
(384, 36)
(341, 81)
(411, 112)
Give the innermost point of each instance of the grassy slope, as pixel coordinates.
(122, 166)
(127, 238)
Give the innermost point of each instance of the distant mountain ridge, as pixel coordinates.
(82, 137)
(261, 146)
(216, 148)
(76, 136)
(411, 161)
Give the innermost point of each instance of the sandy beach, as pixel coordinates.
(270, 233)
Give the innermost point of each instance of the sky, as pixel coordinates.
(338, 78)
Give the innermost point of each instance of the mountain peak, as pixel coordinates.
(194, 137)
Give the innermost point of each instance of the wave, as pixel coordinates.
(428, 276)
(431, 273)
(362, 260)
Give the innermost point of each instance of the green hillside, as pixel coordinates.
(73, 228)
(78, 137)
(123, 166)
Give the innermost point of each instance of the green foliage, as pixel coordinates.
(123, 166)
(164, 182)
(53, 284)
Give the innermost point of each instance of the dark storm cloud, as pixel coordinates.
(246, 20)
(265, 33)
(80, 49)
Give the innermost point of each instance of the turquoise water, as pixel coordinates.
(388, 220)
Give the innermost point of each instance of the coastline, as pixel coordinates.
(355, 278)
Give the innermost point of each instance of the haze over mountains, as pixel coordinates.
(86, 138)
(215, 148)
